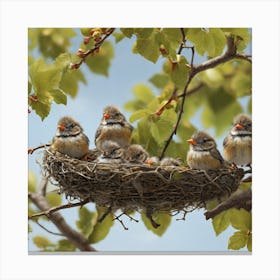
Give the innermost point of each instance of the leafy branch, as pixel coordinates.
(231, 53)
(72, 235)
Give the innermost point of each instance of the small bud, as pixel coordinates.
(86, 40)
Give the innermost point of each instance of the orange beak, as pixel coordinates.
(191, 141)
(239, 126)
(106, 116)
(61, 127)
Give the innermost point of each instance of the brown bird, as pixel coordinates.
(136, 154)
(169, 161)
(112, 153)
(238, 143)
(113, 127)
(70, 139)
(203, 153)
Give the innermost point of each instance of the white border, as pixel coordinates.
(262, 16)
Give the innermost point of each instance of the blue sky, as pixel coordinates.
(127, 70)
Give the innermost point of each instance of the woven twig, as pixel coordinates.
(139, 186)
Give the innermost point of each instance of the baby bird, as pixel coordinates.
(69, 139)
(238, 143)
(203, 153)
(112, 154)
(113, 127)
(136, 154)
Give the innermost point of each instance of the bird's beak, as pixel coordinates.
(106, 116)
(191, 141)
(239, 126)
(61, 127)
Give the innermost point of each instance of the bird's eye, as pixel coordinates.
(71, 125)
(205, 140)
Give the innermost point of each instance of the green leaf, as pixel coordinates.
(249, 106)
(128, 32)
(59, 96)
(118, 36)
(143, 93)
(163, 219)
(159, 80)
(87, 221)
(85, 31)
(173, 35)
(148, 47)
(211, 41)
(221, 222)
(139, 114)
(32, 181)
(143, 32)
(100, 62)
(101, 230)
(42, 109)
(42, 242)
(180, 72)
(243, 36)
(70, 82)
(53, 199)
(64, 245)
(241, 219)
(29, 87)
(238, 240)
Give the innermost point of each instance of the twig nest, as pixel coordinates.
(139, 186)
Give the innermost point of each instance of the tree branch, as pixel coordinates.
(72, 235)
(211, 63)
(241, 199)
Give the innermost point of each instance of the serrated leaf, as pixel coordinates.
(53, 199)
(59, 96)
(87, 221)
(42, 242)
(128, 32)
(159, 80)
(64, 245)
(221, 222)
(139, 114)
(238, 240)
(155, 132)
(148, 47)
(241, 219)
(163, 219)
(211, 41)
(29, 87)
(32, 181)
(101, 230)
(42, 109)
(100, 62)
(173, 35)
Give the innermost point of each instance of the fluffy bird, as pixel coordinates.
(203, 153)
(112, 153)
(70, 139)
(238, 143)
(136, 154)
(113, 127)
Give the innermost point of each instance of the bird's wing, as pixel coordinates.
(97, 133)
(216, 154)
(225, 142)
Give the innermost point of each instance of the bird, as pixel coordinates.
(112, 153)
(152, 161)
(135, 153)
(70, 139)
(169, 161)
(113, 127)
(237, 145)
(203, 153)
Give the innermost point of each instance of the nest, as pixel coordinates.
(139, 186)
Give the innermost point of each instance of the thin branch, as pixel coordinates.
(32, 150)
(47, 230)
(57, 208)
(72, 235)
(97, 46)
(118, 218)
(241, 199)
